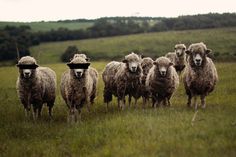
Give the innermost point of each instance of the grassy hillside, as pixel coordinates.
(221, 41)
(47, 26)
(133, 132)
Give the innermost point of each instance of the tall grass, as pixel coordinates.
(133, 132)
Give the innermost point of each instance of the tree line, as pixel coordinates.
(21, 38)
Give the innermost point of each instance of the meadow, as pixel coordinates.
(132, 132)
(47, 26)
(221, 41)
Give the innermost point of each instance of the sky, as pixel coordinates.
(53, 10)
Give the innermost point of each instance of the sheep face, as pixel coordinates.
(146, 65)
(180, 49)
(198, 53)
(78, 66)
(27, 67)
(162, 66)
(132, 62)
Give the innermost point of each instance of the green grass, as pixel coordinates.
(133, 132)
(47, 26)
(221, 41)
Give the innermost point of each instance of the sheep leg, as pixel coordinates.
(39, 109)
(135, 102)
(27, 110)
(195, 102)
(144, 102)
(203, 101)
(129, 100)
(50, 105)
(35, 115)
(189, 101)
(107, 106)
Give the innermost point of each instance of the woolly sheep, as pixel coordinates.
(178, 57)
(122, 78)
(78, 86)
(146, 65)
(35, 85)
(162, 80)
(200, 75)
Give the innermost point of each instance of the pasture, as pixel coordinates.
(221, 41)
(132, 132)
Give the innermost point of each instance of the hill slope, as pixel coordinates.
(221, 41)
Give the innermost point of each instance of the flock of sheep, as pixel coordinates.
(135, 77)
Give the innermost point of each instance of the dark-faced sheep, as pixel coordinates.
(178, 57)
(200, 75)
(122, 78)
(35, 85)
(162, 80)
(78, 86)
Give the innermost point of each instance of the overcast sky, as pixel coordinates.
(51, 10)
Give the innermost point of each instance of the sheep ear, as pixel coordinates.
(171, 64)
(69, 64)
(125, 61)
(87, 59)
(208, 51)
(155, 63)
(188, 52)
(142, 56)
(36, 65)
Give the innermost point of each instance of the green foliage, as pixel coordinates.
(133, 132)
(69, 53)
(15, 39)
(150, 44)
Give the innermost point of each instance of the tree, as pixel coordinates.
(69, 53)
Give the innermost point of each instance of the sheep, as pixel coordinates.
(78, 86)
(162, 80)
(146, 65)
(178, 57)
(122, 78)
(200, 75)
(35, 85)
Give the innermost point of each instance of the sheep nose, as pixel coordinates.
(27, 73)
(198, 60)
(163, 73)
(133, 68)
(78, 73)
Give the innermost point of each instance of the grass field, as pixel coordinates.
(47, 26)
(221, 41)
(133, 132)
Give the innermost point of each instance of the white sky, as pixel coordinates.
(51, 10)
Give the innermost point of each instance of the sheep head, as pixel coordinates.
(78, 66)
(133, 62)
(180, 49)
(197, 54)
(162, 66)
(27, 66)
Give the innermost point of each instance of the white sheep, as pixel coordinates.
(35, 85)
(200, 75)
(78, 86)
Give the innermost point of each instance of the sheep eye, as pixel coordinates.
(183, 48)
